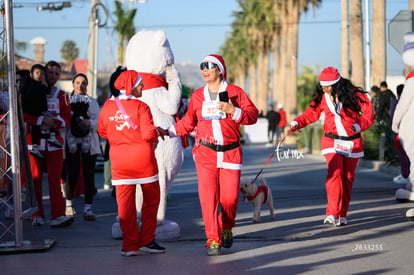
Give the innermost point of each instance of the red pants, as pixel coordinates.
(339, 181)
(216, 185)
(127, 211)
(53, 161)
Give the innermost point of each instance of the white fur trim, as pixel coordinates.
(135, 181)
(329, 83)
(215, 61)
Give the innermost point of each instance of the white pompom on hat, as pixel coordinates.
(329, 76)
(408, 51)
(219, 61)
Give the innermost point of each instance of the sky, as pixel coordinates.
(195, 28)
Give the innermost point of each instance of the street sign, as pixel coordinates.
(398, 26)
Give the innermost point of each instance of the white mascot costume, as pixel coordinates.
(402, 121)
(149, 53)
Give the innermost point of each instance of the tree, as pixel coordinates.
(69, 51)
(357, 53)
(124, 26)
(379, 64)
(345, 38)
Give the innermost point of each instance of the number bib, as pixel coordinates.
(343, 147)
(210, 111)
(53, 105)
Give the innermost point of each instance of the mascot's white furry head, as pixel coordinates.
(408, 52)
(149, 52)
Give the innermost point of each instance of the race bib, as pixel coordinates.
(343, 147)
(210, 111)
(53, 105)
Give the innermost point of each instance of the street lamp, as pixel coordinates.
(55, 6)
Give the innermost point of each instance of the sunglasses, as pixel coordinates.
(208, 65)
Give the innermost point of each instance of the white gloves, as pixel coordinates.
(356, 128)
(294, 125)
(171, 74)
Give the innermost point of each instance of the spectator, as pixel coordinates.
(375, 96)
(273, 119)
(386, 100)
(282, 122)
(59, 107)
(82, 145)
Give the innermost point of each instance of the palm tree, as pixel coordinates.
(124, 26)
(69, 51)
(345, 38)
(357, 54)
(379, 65)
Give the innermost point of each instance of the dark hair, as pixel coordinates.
(347, 94)
(52, 63)
(375, 89)
(23, 73)
(80, 74)
(37, 67)
(400, 89)
(114, 76)
(384, 84)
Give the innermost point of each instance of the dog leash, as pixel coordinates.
(274, 151)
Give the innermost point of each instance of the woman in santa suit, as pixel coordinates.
(217, 152)
(348, 112)
(127, 124)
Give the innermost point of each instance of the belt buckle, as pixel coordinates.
(217, 147)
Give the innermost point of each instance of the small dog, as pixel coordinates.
(257, 195)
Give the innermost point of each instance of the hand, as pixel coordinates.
(226, 107)
(294, 125)
(162, 132)
(356, 128)
(49, 122)
(171, 74)
(85, 123)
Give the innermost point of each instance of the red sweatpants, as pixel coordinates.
(339, 181)
(127, 211)
(217, 185)
(53, 161)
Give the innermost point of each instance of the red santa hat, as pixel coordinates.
(128, 80)
(219, 61)
(329, 76)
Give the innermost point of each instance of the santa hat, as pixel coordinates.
(329, 76)
(219, 61)
(128, 80)
(408, 52)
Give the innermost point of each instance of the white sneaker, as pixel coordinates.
(38, 220)
(70, 211)
(129, 253)
(330, 220)
(341, 221)
(61, 221)
(400, 180)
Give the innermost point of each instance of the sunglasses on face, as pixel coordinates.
(208, 65)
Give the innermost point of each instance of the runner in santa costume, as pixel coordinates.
(217, 152)
(348, 112)
(127, 124)
(58, 117)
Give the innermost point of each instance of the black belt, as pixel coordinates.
(220, 148)
(329, 135)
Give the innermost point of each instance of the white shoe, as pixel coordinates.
(400, 180)
(330, 220)
(61, 221)
(341, 221)
(70, 211)
(38, 220)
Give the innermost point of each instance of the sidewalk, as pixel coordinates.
(377, 240)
